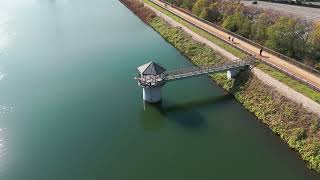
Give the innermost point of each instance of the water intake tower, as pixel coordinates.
(153, 76)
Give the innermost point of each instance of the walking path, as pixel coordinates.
(291, 94)
(293, 69)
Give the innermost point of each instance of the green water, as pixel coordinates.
(71, 110)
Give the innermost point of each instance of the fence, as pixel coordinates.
(291, 60)
(308, 68)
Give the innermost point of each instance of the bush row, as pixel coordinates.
(290, 36)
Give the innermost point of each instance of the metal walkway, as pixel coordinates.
(196, 71)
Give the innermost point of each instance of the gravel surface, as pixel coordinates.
(310, 14)
(280, 87)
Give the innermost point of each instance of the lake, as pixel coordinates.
(71, 109)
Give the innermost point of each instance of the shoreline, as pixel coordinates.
(296, 126)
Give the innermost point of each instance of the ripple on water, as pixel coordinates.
(3, 150)
(6, 36)
(3, 71)
(2, 75)
(4, 109)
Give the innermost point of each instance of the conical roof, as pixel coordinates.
(151, 68)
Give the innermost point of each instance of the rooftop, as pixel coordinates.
(151, 68)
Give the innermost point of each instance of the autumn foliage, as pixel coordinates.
(145, 14)
(290, 36)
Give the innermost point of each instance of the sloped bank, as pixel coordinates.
(294, 124)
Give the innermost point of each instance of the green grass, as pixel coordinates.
(294, 84)
(303, 89)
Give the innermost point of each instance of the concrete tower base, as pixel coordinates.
(232, 73)
(152, 95)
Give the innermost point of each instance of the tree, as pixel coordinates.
(214, 15)
(187, 4)
(239, 24)
(286, 36)
(205, 13)
(228, 8)
(199, 7)
(315, 36)
(259, 28)
(231, 23)
(244, 27)
(314, 44)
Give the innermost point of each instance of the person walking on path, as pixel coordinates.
(261, 52)
(229, 38)
(232, 39)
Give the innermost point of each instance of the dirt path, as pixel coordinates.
(288, 92)
(293, 69)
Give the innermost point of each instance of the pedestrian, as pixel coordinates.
(229, 38)
(261, 52)
(232, 39)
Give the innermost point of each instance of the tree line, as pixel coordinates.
(290, 36)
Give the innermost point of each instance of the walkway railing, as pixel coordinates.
(196, 71)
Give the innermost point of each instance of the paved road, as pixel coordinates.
(311, 14)
(293, 69)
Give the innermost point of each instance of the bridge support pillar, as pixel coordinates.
(152, 95)
(232, 73)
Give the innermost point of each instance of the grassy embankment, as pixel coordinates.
(294, 84)
(295, 125)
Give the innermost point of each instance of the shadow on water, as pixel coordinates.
(187, 118)
(155, 116)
